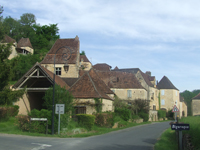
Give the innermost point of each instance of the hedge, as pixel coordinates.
(86, 120)
(124, 113)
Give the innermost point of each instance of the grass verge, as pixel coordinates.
(10, 127)
(167, 141)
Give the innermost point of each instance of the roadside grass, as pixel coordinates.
(167, 141)
(194, 131)
(10, 127)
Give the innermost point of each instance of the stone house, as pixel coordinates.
(40, 77)
(88, 88)
(148, 82)
(183, 107)
(22, 47)
(195, 105)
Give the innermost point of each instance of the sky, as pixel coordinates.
(158, 36)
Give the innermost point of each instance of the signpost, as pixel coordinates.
(60, 109)
(180, 127)
(175, 110)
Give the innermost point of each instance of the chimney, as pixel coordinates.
(148, 73)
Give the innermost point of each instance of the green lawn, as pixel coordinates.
(10, 127)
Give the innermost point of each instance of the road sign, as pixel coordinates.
(175, 109)
(180, 126)
(60, 108)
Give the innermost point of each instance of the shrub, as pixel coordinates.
(104, 119)
(170, 114)
(161, 113)
(40, 126)
(86, 120)
(23, 122)
(124, 113)
(143, 115)
(8, 111)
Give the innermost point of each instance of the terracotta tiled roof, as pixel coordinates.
(117, 79)
(72, 44)
(58, 80)
(90, 85)
(116, 68)
(8, 39)
(134, 71)
(197, 97)
(146, 78)
(165, 83)
(84, 58)
(24, 42)
(70, 81)
(102, 67)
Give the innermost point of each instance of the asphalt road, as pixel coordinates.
(139, 138)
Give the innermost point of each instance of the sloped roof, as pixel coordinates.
(102, 67)
(24, 42)
(90, 85)
(84, 58)
(146, 77)
(121, 80)
(73, 46)
(48, 74)
(8, 39)
(116, 68)
(165, 83)
(196, 97)
(70, 81)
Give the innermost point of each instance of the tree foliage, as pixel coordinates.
(62, 96)
(187, 95)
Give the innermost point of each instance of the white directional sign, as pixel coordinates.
(60, 108)
(175, 109)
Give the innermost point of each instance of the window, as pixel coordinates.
(154, 107)
(80, 109)
(129, 94)
(162, 102)
(162, 92)
(113, 91)
(58, 70)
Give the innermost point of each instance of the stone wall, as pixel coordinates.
(195, 107)
(135, 93)
(24, 105)
(170, 97)
(28, 49)
(71, 73)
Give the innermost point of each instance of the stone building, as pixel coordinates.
(22, 47)
(195, 105)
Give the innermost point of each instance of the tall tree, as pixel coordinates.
(1, 24)
(27, 19)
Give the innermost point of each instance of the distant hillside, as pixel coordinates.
(188, 97)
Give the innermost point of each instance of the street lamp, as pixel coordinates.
(65, 56)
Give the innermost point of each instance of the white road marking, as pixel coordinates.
(41, 146)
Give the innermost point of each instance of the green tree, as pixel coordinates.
(7, 96)
(82, 53)
(4, 66)
(62, 96)
(27, 19)
(1, 24)
(21, 64)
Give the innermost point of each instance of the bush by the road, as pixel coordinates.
(86, 120)
(124, 113)
(161, 113)
(144, 116)
(8, 111)
(104, 119)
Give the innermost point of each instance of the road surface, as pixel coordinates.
(141, 137)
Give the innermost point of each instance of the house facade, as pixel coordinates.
(195, 105)
(22, 47)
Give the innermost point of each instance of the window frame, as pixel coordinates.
(129, 93)
(58, 71)
(162, 102)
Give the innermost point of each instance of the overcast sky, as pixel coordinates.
(161, 36)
